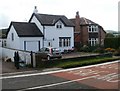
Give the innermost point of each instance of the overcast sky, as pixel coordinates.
(103, 12)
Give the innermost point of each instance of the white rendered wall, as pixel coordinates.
(13, 44)
(52, 34)
(35, 20)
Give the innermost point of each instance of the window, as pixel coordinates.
(93, 41)
(92, 28)
(12, 36)
(59, 25)
(25, 45)
(60, 42)
(64, 41)
(39, 45)
(5, 43)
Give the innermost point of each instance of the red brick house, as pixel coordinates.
(87, 32)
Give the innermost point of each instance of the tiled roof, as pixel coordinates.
(46, 19)
(84, 21)
(25, 29)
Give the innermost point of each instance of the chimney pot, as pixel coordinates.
(77, 13)
(35, 10)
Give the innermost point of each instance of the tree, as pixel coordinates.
(109, 35)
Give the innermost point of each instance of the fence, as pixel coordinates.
(9, 53)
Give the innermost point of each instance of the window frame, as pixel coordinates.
(64, 41)
(92, 28)
(59, 25)
(93, 41)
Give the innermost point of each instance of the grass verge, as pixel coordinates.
(76, 63)
(85, 62)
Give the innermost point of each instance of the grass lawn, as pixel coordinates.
(76, 63)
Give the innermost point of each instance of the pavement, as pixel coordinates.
(9, 67)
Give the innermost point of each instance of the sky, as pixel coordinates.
(103, 12)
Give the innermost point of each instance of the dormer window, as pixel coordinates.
(59, 26)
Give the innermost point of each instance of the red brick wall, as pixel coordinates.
(84, 35)
(102, 34)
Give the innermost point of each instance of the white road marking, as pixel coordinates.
(60, 83)
(46, 73)
(86, 72)
(13, 73)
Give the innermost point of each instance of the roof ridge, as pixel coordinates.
(49, 14)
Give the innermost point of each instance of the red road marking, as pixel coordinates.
(108, 76)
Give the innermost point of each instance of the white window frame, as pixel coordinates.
(93, 41)
(64, 42)
(92, 28)
(59, 25)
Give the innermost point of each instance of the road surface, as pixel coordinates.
(102, 76)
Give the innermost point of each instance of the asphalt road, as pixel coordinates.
(104, 76)
(42, 82)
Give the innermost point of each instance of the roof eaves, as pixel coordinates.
(31, 35)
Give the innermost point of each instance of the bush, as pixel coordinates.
(85, 48)
(110, 50)
(117, 52)
(112, 42)
(99, 50)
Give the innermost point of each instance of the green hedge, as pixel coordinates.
(112, 43)
(74, 62)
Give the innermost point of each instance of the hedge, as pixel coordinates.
(112, 42)
(70, 62)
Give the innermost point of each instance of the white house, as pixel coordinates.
(24, 36)
(58, 31)
(42, 30)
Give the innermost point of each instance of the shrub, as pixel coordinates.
(112, 42)
(99, 50)
(117, 52)
(85, 48)
(110, 50)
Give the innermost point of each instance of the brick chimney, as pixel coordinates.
(77, 22)
(77, 32)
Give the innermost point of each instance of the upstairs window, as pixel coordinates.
(59, 26)
(92, 28)
(12, 36)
